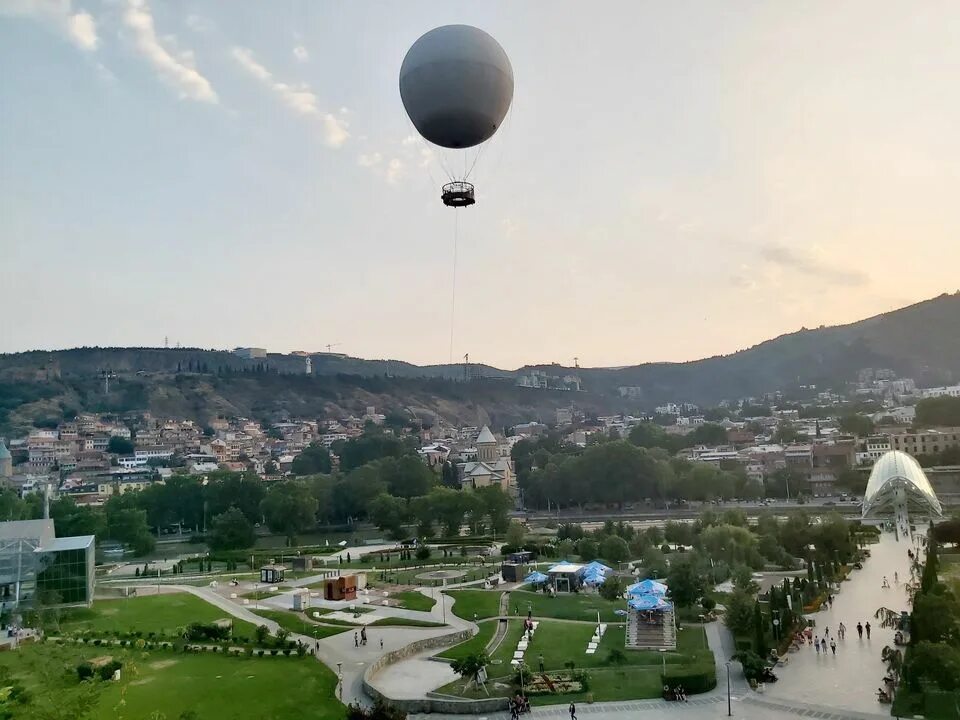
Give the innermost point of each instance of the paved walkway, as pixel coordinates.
(848, 681)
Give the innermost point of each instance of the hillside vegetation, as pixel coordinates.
(920, 341)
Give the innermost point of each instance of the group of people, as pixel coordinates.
(886, 583)
(677, 693)
(361, 639)
(518, 704)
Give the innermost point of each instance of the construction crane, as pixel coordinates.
(330, 346)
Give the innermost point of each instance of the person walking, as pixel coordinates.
(318, 646)
(867, 628)
(842, 631)
(381, 643)
(860, 630)
(573, 711)
(540, 659)
(833, 646)
(356, 639)
(816, 644)
(363, 636)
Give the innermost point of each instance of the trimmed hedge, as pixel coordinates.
(695, 679)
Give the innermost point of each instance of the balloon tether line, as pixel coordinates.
(453, 292)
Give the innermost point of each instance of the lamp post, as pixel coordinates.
(663, 660)
(729, 710)
(340, 680)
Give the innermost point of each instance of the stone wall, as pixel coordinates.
(434, 703)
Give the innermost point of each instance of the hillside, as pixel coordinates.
(920, 341)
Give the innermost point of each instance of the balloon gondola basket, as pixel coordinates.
(458, 194)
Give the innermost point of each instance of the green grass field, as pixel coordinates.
(295, 623)
(404, 622)
(501, 657)
(167, 684)
(412, 600)
(482, 603)
(152, 613)
(476, 644)
(565, 606)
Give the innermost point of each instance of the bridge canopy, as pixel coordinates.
(898, 480)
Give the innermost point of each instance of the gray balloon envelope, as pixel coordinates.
(456, 84)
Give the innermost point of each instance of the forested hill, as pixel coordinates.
(920, 341)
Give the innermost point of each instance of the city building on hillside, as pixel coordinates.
(6, 462)
(435, 454)
(35, 565)
(250, 353)
(925, 442)
(948, 391)
(490, 467)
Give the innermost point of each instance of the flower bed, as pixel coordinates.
(561, 683)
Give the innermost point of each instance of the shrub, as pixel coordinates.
(259, 653)
(274, 651)
(423, 552)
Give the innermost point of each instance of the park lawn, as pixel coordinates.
(262, 594)
(486, 629)
(565, 606)
(409, 577)
(501, 657)
(479, 603)
(412, 600)
(562, 642)
(161, 614)
(405, 622)
(167, 684)
(294, 623)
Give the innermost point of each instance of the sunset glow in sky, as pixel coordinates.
(674, 180)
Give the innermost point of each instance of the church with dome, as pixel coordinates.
(490, 467)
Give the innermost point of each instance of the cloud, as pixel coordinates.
(198, 23)
(805, 263)
(301, 54)
(301, 99)
(78, 27)
(178, 72)
(394, 171)
(369, 159)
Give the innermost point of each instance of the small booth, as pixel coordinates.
(301, 599)
(565, 577)
(343, 587)
(272, 574)
(302, 563)
(516, 566)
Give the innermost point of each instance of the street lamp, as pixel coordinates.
(663, 660)
(340, 679)
(729, 711)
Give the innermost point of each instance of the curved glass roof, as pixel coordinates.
(898, 474)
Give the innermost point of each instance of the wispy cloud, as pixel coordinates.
(807, 263)
(301, 54)
(178, 72)
(301, 99)
(369, 160)
(78, 27)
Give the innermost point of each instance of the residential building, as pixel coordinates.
(6, 462)
(925, 442)
(250, 353)
(948, 391)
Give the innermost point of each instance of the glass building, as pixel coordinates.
(39, 569)
(897, 480)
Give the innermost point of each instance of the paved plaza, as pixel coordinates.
(849, 680)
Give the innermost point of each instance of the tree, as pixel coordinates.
(516, 533)
(739, 614)
(406, 477)
(614, 549)
(449, 476)
(497, 504)
(389, 513)
(314, 460)
(119, 446)
(612, 588)
(855, 424)
(369, 447)
(759, 631)
(944, 411)
(470, 666)
(231, 531)
(684, 581)
(654, 562)
(587, 549)
(128, 524)
(289, 508)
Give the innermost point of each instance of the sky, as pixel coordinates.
(673, 180)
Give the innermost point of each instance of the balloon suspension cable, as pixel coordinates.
(453, 291)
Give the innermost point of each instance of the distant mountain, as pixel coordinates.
(920, 341)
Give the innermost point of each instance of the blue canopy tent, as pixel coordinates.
(536, 578)
(594, 577)
(647, 587)
(649, 602)
(596, 565)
